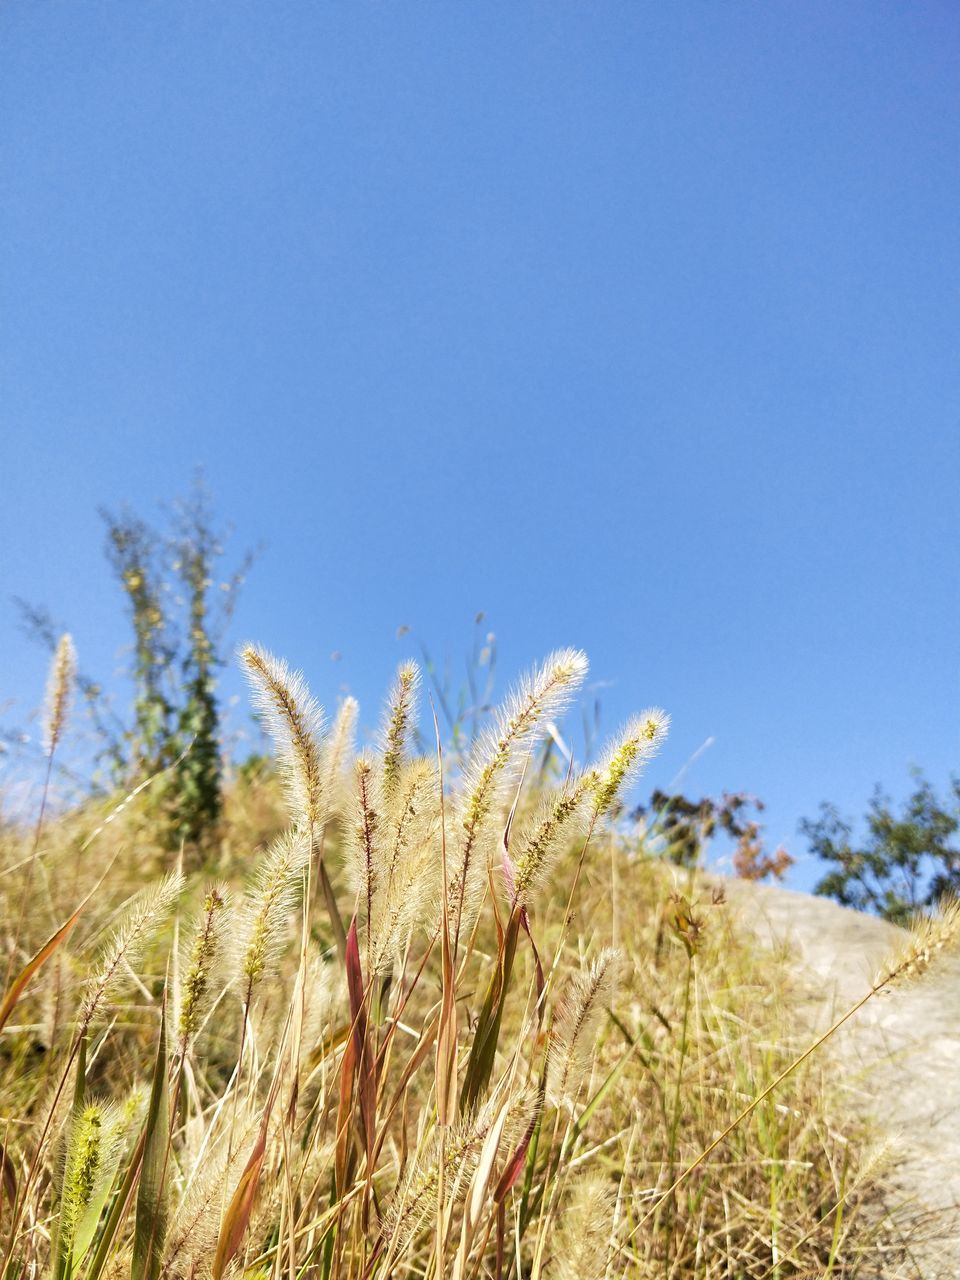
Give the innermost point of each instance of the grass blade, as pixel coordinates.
(151, 1223)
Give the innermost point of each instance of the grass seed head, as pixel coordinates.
(336, 751)
(931, 938)
(294, 721)
(541, 697)
(269, 905)
(576, 1025)
(205, 952)
(399, 721)
(587, 1231)
(60, 685)
(128, 943)
(628, 755)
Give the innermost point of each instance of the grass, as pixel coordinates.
(418, 1015)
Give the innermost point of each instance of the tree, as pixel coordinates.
(905, 860)
(178, 613)
(685, 826)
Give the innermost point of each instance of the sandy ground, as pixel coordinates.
(904, 1048)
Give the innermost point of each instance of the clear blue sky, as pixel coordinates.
(635, 325)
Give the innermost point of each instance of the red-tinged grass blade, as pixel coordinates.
(8, 1180)
(344, 1112)
(515, 1164)
(237, 1217)
(358, 1014)
(363, 1058)
(151, 1221)
(541, 980)
(32, 966)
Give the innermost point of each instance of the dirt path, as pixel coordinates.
(904, 1048)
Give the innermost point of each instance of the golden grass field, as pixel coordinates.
(412, 1014)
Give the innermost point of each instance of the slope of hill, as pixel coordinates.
(901, 1053)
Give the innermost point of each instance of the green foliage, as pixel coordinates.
(905, 861)
(178, 610)
(168, 581)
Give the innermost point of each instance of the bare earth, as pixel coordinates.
(904, 1048)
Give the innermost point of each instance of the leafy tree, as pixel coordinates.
(685, 826)
(905, 860)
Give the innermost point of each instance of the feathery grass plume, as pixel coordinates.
(365, 867)
(399, 720)
(196, 1221)
(586, 1231)
(634, 747)
(63, 674)
(94, 1137)
(542, 696)
(459, 1149)
(269, 905)
(204, 954)
(364, 863)
(412, 818)
(576, 1025)
(929, 940)
(559, 817)
(128, 943)
(392, 863)
(410, 884)
(294, 721)
(336, 751)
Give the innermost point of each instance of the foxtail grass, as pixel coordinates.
(439, 1063)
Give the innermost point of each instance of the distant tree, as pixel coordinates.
(685, 826)
(904, 861)
(178, 609)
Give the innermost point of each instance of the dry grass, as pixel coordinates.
(405, 1027)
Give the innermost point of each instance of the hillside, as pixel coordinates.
(901, 1055)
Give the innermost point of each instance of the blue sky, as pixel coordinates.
(634, 325)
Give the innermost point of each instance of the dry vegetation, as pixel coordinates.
(417, 1016)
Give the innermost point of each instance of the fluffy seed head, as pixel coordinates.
(60, 683)
(269, 905)
(931, 938)
(392, 860)
(95, 1135)
(586, 1231)
(204, 955)
(337, 750)
(399, 720)
(557, 820)
(637, 745)
(576, 1025)
(541, 697)
(128, 943)
(294, 721)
